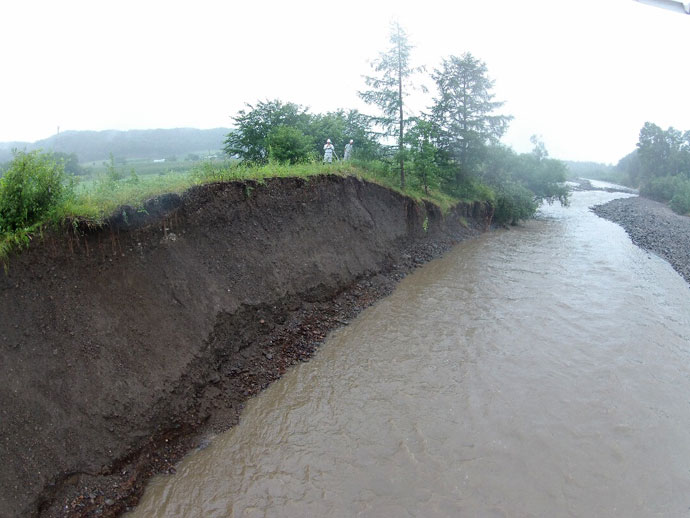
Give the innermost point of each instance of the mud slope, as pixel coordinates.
(120, 346)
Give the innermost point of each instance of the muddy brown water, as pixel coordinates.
(540, 371)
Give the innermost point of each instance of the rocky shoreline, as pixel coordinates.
(654, 227)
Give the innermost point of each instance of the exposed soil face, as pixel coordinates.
(123, 348)
(653, 226)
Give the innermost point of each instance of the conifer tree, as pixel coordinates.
(389, 87)
(465, 111)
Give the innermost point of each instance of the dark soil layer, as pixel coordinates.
(653, 226)
(123, 348)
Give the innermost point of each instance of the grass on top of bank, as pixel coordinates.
(35, 192)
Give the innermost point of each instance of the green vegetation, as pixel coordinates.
(33, 189)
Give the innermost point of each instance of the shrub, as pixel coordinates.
(471, 189)
(680, 203)
(661, 189)
(31, 189)
(287, 144)
(514, 203)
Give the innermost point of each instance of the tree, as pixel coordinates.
(542, 175)
(70, 162)
(420, 140)
(249, 139)
(664, 157)
(464, 112)
(522, 182)
(663, 153)
(390, 87)
(631, 168)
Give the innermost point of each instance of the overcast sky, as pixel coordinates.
(583, 75)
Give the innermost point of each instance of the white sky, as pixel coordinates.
(583, 75)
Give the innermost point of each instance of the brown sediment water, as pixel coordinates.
(540, 371)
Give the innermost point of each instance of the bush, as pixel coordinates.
(680, 203)
(471, 190)
(514, 203)
(662, 188)
(287, 144)
(31, 189)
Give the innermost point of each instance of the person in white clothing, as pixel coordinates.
(328, 152)
(348, 151)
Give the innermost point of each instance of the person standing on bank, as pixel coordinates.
(328, 152)
(348, 150)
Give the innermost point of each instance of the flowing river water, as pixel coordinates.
(539, 371)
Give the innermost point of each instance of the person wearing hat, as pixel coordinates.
(348, 150)
(328, 152)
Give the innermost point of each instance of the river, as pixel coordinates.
(538, 371)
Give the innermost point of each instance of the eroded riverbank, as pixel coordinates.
(123, 347)
(541, 371)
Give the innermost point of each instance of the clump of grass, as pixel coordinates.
(33, 191)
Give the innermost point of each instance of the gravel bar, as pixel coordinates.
(654, 227)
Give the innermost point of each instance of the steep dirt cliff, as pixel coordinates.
(121, 347)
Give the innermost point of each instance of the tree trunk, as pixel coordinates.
(400, 107)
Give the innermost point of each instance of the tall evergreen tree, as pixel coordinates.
(465, 111)
(389, 87)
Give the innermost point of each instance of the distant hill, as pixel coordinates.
(98, 145)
